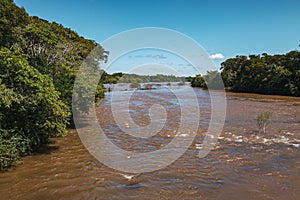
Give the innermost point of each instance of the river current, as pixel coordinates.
(244, 164)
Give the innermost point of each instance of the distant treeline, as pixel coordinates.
(39, 61)
(135, 78)
(130, 78)
(264, 74)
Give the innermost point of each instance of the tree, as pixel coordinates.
(213, 80)
(39, 62)
(266, 74)
(197, 81)
(12, 20)
(30, 109)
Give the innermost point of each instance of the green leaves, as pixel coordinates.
(39, 62)
(198, 81)
(30, 107)
(12, 20)
(211, 80)
(277, 74)
(12, 146)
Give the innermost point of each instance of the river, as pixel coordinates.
(244, 164)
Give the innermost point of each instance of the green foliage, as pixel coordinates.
(110, 79)
(12, 146)
(39, 62)
(129, 78)
(12, 21)
(211, 80)
(135, 84)
(266, 74)
(30, 108)
(197, 81)
(37, 95)
(263, 120)
(54, 50)
(135, 79)
(58, 52)
(84, 93)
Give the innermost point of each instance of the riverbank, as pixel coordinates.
(263, 96)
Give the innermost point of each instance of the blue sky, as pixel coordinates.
(227, 27)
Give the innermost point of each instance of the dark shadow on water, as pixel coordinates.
(46, 149)
(284, 122)
(131, 186)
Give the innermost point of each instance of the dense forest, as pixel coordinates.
(264, 74)
(39, 61)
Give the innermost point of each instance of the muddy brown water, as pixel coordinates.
(243, 165)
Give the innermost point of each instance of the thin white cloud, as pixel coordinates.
(217, 56)
(159, 56)
(156, 56)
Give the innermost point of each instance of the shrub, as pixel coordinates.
(181, 83)
(12, 146)
(198, 81)
(263, 120)
(135, 84)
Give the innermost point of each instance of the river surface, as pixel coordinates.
(244, 164)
